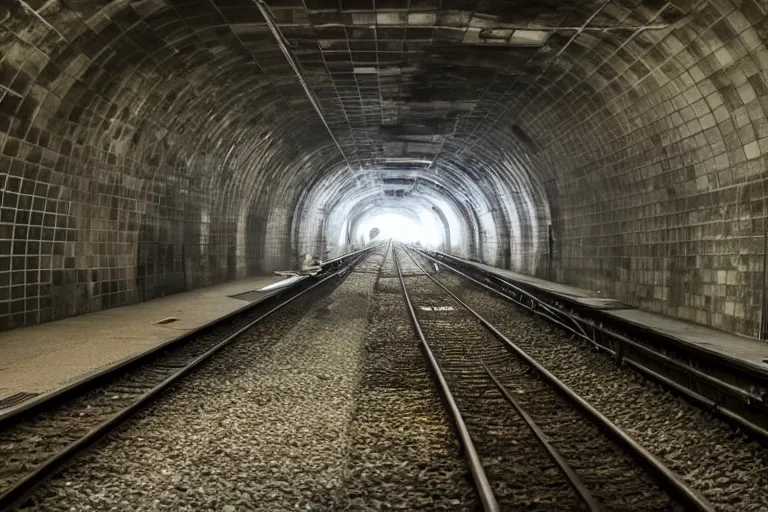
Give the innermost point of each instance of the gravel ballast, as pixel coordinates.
(402, 451)
(334, 410)
(730, 470)
(262, 426)
(520, 473)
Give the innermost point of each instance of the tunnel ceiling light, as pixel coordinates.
(433, 139)
(383, 71)
(398, 181)
(529, 37)
(506, 37)
(483, 21)
(407, 161)
(435, 105)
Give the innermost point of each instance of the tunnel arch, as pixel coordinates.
(493, 199)
(154, 146)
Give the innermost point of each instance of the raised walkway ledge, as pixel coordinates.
(721, 372)
(44, 358)
(721, 343)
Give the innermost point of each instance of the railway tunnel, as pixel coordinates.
(151, 147)
(600, 162)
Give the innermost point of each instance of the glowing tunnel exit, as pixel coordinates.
(421, 227)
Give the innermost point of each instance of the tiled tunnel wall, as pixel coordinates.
(152, 146)
(124, 159)
(661, 173)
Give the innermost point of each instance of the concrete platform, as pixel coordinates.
(42, 358)
(749, 350)
(580, 295)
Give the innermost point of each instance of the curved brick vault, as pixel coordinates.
(153, 146)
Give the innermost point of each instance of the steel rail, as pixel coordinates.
(345, 256)
(573, 478)
(532, 297)
(724, 386)
(40, 403)
(759, 432)
(14, 494)
(473, 459)
(744, 365)
(519, 290)
(386, 254)
(669, 480)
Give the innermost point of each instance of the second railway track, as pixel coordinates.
(483, 378)
(36, 443)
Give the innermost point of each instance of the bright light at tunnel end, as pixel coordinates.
(402, 228)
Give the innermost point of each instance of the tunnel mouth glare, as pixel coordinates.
(422, 230)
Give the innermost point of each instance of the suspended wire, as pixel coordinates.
(283, 43)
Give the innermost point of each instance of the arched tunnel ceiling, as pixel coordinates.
(152, 146)
(425, 81)
(419, 80)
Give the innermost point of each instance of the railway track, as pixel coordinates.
(530, 441)
(401, 452)
(733, 389)
(36, 443)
